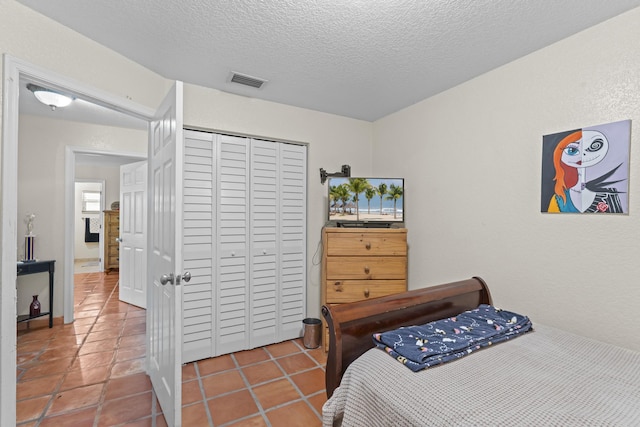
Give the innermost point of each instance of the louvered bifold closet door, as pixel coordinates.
(232, 284)
(264, 232)
(292, 199)
(198, 231)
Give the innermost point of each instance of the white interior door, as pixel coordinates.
(164, 304)
(132, 287)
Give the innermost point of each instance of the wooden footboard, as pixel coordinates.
(351, 325)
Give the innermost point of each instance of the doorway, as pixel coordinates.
(87, 212)
(16, 70)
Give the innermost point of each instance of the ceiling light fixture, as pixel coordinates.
(50, 97)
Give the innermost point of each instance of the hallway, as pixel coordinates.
(91, 373)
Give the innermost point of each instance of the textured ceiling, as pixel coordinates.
(357, 58)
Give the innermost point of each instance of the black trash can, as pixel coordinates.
(311, 334)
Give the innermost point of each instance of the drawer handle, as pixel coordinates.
(368, 245)
(338, 286)
(366, 269)
(366, 293)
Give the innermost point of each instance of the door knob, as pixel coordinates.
(186, 276)
(167, 278)
(118, 239)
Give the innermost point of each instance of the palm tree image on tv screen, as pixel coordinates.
(366, 199)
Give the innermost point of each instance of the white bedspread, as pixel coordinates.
(545, 378)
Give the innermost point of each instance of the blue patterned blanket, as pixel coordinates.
(419, 347)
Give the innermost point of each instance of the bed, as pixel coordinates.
(544, 377)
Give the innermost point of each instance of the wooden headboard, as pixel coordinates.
(351, 325)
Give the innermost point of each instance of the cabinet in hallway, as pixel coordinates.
(244, 243)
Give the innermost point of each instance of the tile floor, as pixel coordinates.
(91, 373)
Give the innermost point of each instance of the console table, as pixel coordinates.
(33, 267)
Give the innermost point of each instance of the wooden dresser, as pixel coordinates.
(360, 263)
(111, 245)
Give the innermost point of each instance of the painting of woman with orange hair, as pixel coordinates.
(586, 170)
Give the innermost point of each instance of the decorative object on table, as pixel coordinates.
(29, 239)
(34, 308)
(115, 206)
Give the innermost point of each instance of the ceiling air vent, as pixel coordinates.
(243, 79)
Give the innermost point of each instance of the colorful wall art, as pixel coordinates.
(587, 170)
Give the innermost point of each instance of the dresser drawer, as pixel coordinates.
(366, 244)
(113, 260)
(341, 291)
(372, 268)
(114, 250)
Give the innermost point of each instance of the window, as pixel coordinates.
(90, 201)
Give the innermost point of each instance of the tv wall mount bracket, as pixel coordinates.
(345, 171)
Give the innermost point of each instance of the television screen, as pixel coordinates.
(366, 200)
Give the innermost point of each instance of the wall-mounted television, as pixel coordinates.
(365, 202)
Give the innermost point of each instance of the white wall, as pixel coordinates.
(84, 250)
(471, 157)
(333, 140)
(41, 174)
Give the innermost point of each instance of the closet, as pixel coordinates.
(244, 243)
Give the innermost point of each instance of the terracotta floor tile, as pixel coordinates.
(144, 422)
(76, 328)
(195, 415)
(66, 372)
(30, 409)
(191, 392)
(127, 367)
(131, 408)
(262, 372)
(136, 312)
(26, 358)
(133, 341)
(310, 382)
(257, 421)
(275, 393)
(70, 342)
(250, 357)
(232, 407)
(84, 321)
(50, 367)
(80, 397)
(224, 382)
(189, 371)
(81, 418)
(37, 387)
(135, 329)
(83, 377)
(319, 355)
(111, 325)
(93, 360)
(296, 363)
(88, 313)
(57, 353)
(30, 347)
(126, 386)
(102, 335)
(94, 305)
(317, 400)
(42, 334)
(283, 349)
(298, 414)
(216, 364)
(98, 346)
(129, 353)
